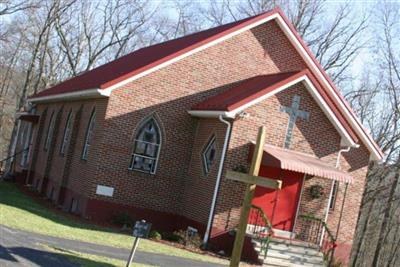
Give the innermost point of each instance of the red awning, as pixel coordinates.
(300, 162)
(28, 117)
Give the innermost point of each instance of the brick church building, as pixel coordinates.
(153, 133)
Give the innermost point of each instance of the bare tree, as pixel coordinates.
(377, 100)
(40, 39)
(91, 33)
(8, 7)
(187, 20)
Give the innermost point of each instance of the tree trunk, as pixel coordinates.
(386, 218)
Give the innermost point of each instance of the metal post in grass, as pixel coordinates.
(141, 230)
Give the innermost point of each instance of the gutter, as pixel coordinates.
(89, 93)
(218, 181)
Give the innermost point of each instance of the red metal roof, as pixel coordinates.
(246, 91)
(140, 60)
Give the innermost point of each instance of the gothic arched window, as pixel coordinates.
(146, 147)
(67, 134)
(50, 131)
(89, 135)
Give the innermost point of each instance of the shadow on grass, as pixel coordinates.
(12, 196)
(45, 258)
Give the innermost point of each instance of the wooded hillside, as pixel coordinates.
(377, 240)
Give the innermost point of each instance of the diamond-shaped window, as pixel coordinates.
(209, 154)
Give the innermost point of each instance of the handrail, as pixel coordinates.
(262, 232)
(332, 240)
(313, 218)
(263, 215)
(10, 157)
(17, 153)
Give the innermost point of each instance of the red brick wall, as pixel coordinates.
(199, 187)
(171, 92)
(80, 169)
(40, 155)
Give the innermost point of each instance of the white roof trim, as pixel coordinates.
(90, 93)
(310, 88)
(211, 114)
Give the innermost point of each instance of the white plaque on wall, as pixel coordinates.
(105, 190)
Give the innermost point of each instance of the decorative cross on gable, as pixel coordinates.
(294, 113)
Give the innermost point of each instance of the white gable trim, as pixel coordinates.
(346, 138)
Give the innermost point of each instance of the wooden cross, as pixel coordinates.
(294, 112)
(252, 180)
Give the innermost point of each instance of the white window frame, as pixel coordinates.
(210, 142)
(89, 135)
(333, 198)
(26, 144)
(67, 134)
(22, 136)
(133, 155)
(50, 131)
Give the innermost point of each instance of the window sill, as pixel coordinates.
(135, 170)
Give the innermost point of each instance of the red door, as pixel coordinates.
(279, 205)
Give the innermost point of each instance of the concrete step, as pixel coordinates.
(294, 258)
(293, 250)
(278, 263)
(288, 254)
(285, 252)
(282, 262)
(292, 242)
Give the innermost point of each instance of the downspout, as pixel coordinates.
(344, 150)
(340, 217)
(218, 181)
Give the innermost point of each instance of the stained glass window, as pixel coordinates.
(89, 135)
(67, 134)
(209, 155)
(334, 195)
(50, 131)
(146, 147)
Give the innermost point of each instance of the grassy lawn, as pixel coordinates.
(89, 260)
(19, 211)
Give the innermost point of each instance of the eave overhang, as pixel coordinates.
(71, 96)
